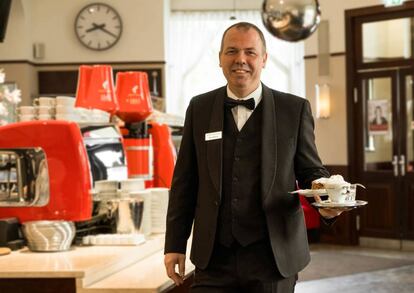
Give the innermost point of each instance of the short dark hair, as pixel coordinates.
(245, 26)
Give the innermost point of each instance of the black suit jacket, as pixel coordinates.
(288, 154)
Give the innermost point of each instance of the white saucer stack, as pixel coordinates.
(159, 206)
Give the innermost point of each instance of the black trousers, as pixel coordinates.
(249, 269)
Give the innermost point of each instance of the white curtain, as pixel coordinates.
(193, 64)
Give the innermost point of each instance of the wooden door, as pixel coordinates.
(376, 146)
(406, 157)
(384, 146)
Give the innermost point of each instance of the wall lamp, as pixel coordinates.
(323, 101)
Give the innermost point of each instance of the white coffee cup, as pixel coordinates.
(44, 117)
(45, 101)
(26, 110)
(338, 193)
(28, 117)
(64, 109)
(65, 101)
(44, 110)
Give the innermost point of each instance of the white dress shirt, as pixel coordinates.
(240, 113)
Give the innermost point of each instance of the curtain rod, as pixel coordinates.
(212, 10)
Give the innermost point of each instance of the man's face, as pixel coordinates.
(242, 59)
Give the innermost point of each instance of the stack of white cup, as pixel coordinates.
(26, 113)
(45, 108)
(65, 109)
(60, 108)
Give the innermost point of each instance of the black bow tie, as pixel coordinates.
(231, 103)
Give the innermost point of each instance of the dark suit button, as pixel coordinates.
(216, 203)
(235, 199)
(235, 179)
(237, 159)
(239, 140)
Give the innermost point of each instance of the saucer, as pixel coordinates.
(310, 192)
(327, 204)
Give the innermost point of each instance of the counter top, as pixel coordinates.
(96, 268)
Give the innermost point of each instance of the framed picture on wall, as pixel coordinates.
(378, 111)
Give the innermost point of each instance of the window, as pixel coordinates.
(193, 50)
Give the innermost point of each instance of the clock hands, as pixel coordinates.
(100, 27)
(108, 32)
(94, 27)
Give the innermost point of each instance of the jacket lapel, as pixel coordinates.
(215, 147)
(269, 142)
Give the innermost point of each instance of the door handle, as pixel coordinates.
(402, 165)
(395, 165)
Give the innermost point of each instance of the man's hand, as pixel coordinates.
(329, 213)
(170, 261)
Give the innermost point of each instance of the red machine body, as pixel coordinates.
(68, 168)
(148, 146)
(151, 157)
(164, 154)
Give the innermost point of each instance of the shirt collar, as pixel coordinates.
(256, 95)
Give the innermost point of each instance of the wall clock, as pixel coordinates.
(98, 26)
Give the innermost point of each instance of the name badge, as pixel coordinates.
(213, 135)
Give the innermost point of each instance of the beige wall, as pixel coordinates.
(142, 37)
(51, 23)
(25, 76)
(331, 133)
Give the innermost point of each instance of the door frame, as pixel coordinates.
(354, 19)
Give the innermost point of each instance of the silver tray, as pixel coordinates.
(327, 204)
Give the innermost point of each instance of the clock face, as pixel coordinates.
(98, 26)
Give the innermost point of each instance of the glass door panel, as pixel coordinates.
(387, 40)
(378, 134)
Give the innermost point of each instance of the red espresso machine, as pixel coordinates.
(48, 172)
(47, 168)
(148, 145)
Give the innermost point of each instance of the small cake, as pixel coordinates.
(317, 185)
(323, 182)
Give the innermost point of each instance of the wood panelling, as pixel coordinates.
(65, 82)
(40, 285)
(378, 218)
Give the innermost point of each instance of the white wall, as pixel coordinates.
(51, 22)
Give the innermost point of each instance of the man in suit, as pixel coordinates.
(243, 148)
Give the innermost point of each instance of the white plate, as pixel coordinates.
(328, 204)
(310, 192)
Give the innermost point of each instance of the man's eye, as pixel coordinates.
(251, 53)
(230, 51)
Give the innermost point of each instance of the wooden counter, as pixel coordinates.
(104, 269)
